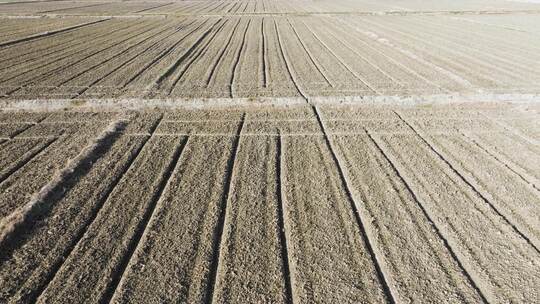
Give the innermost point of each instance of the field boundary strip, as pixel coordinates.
(210, 103)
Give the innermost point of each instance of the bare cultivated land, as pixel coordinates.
(349, 151)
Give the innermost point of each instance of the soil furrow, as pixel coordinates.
(160, 56)
(49, 33)
(283, 222)
(36, 53)
(47, 80)
(237, 60)
(292, 74)
(381, 271)
(173, 67)
(496, 264)
(311, 58)
(468, 182)
(23, 183)
(11, 222)
(179, 246)
(263, 63)
(119, 218)
(532, 181)
(123, 64)
(221, 53)
(29, 153)
(193, 56)
(142, 226)
(463, 295)
(60, 67)
(341, 61)
(39, 250)
(216, 265)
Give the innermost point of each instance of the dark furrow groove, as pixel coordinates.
(500, 161)
(120, 53)
(339, 59)
(70, 8)
(237, 60)
(62, 47)
(122, 65)
(281, 222)
(151, 8)
(428, 217)
(218, 232)
(188, 52)
(218, 60)
(471, 186)
(311, 58)
(287, 64)
(50, 33)
(162, 54)
(196, 54)
(60, 68)
(55, 268)
(28, 159)
(143, 224)
(380, 273)
(263, 54)
(14, 134)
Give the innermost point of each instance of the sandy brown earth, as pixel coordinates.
(269, 151)
(80, 50)
(292, 204)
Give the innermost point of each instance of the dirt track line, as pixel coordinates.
(162, 54)
(534, 183)
(471, 186)
(341, 61)
(62, 67)
(168, 72)
(381, 273)
(122, 65)
(222, 220)
(90, 153)
(428, 217)
(50, 33)
(220, 56)
(143, 225)
(237, 60)
(56, 268)
(199, 53)
(282, 220)
(263, 55)
(288, 65)
(311, 57)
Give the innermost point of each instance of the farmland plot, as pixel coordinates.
(350, 151)
(214, 50)
(387, 203)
